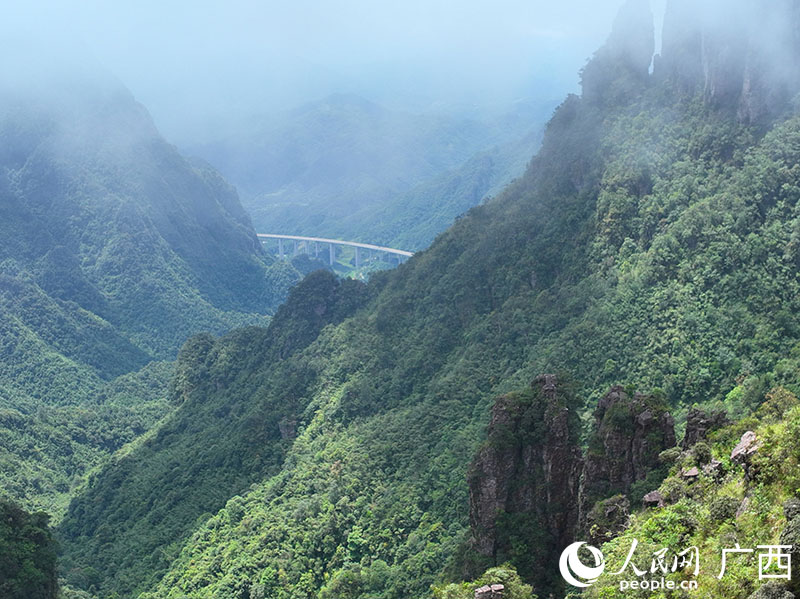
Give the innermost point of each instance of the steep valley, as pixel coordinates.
(607, 350)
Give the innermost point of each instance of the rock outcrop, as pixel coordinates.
(791, 536)
(740, 55)
(744, 451)
(629, 434)
(747, 446)
(772, 590)
(653, 499)
(525, 481)
(623, 63)
(699, 424)
(532, 490)
(494, 591)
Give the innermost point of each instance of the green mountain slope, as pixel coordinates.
(99, 210)
(751, 501)
(412, 220)
(28, 568)
(46, 451)
(127, 532)
(113, 250)
(652, 241)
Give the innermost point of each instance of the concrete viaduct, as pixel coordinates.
(331, 243)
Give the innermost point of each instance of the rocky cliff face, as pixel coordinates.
(699, 423)
(740, 55)
(526, 477)
(629, 433)
(623, 63)
(525, 483)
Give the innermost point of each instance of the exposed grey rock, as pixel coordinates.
(624, 61)
(531, 469)
(772, 590)
(743, 507)
(744, 450)
(681, 46)
(713, 469)
(699, 424)
(747, 446)
(690, 473)
(494, 591)
(520, 473)
(791, 508)
(629, 435)
(653, 499)
(740, 55)
(791, 536)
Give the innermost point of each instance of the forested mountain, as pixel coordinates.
(103, 213)
(411, 220)
(113, 250)
(28, 565)
(208, 450)
(348, 168)
(652, 242)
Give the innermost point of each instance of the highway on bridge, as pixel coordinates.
(402, 254)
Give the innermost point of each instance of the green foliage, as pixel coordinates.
(701, 452)
(723, 508)
(651, 243)
(346, 168)
(99, 277)
(113, 250)
(28, 562)
(669, 456)
(715, 513)
(46, 452)
(231, 429)
(506, 575)
(411, 220)
(639, 489)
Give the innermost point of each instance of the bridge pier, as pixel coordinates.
(280, 249)
(332, 253)
(358, 259)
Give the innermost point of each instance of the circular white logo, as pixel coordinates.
(575, 572)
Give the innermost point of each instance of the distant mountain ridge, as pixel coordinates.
(330, 167)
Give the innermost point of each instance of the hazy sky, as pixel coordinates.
(192, 61)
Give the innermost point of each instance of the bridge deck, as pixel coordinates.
(367, 246)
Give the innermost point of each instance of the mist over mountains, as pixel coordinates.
(113, 250)
(345, 167)
(90, 185)
(649, 242)
(453, 423)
